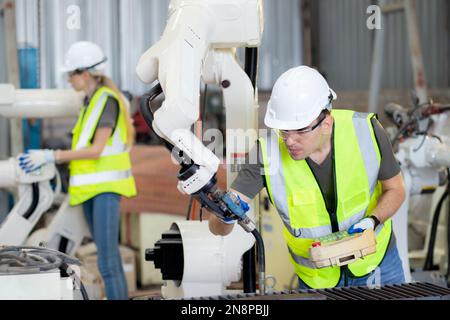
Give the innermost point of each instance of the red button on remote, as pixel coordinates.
(316, 244)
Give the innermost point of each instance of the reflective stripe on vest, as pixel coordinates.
(100, 177)
(91, 124)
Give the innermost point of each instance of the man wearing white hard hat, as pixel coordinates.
(100, 166)
(325, 171)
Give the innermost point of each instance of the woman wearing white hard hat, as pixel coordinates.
(100, 166)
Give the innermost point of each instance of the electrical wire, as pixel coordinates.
(203, 110)
(261, 258)
(429, 264)
(421, 144)
(28, 259)
(188, 214)
(34, 201)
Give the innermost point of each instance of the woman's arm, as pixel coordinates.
(100, 139)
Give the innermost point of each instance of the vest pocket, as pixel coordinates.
(302, 209)
(355, 203)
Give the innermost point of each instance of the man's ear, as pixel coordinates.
(328, 122)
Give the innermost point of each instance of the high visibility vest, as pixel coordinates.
(112, 171)
(296, 194)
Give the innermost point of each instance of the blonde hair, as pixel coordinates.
(107, 82)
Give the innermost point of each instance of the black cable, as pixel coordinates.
(248, 264)
(261, 258)
(188, 214)
(83, 291)
(447, 276)
(66, 268)
(434, 225)
(204, 104)
(27, 259)
(147, 113)
(435, 136)
(34, 201)
(421, 144)
(63, 244)
(251, 64)
(428, 265)
(260, 252)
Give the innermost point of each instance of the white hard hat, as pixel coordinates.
(84, 55)
(298, 97)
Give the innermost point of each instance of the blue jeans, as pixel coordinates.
(390, 271)
(103, 215)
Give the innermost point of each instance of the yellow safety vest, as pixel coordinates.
(295, 192)
(112, 171)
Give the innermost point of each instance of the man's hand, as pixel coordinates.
(235, 205)
(366, 223)
(32, 160)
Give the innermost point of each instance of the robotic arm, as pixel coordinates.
(35, 195)
(422, 149)
(198, 44)
(423, 153)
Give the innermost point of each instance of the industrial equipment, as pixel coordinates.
(35, 195)
(424, 154)
(199, 44)
(36, 273)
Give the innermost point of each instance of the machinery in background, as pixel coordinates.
(424, 155)
(35, 195)
(199, 44)
(34, 273)
(194, 262)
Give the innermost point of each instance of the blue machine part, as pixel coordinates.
(28, 66)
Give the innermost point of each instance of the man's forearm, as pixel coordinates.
(391, 199)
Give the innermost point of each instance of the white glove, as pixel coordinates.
(32, 160)
(364, 224)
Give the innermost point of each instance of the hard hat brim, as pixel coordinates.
(65, 69)
(286, 125)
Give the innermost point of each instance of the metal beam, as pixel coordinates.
(393, 6)
(376, 73)
(307, 35)
(415, 47)
(12, 64)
